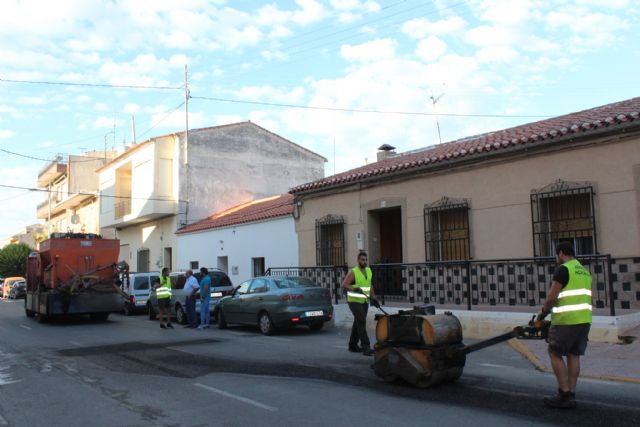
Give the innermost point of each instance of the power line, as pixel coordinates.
(44, 82)
(43, 159)
(44, 190)
(162, 119)
(370, 111)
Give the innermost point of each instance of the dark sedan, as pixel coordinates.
(18, 290)
(274, 301)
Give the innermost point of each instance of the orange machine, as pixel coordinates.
(74, 273)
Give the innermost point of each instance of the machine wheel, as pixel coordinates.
(126, 310)
(316, 326)
(152, 314)
(392, 378)
(181, 316)
(222, 321)
(99, 317)
(43, 318)
(266, 324)
(29, 313)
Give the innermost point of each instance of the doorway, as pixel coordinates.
(143, 261)
(385, 247)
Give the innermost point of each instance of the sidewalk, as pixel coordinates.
(613, 362)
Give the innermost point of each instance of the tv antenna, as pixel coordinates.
(434, 101)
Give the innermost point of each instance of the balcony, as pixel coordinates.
(69, 202)
(51, 172)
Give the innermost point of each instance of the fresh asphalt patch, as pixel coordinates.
(470, 391)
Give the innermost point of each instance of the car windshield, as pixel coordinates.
(218, 278)
(293, 282)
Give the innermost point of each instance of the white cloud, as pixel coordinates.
(274, 54)
(310, 11)
(23, 213)
(6, 133)
(223, 119)
(270, 93)
(104, 122)
(496, 54)
(101, 106)
(370, 51)
(506, 12)
(489, 35)
(431, 48)
(32, 100)
(421, 27)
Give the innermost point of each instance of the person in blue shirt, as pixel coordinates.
(205, 298)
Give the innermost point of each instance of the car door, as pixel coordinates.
(233, 305)
(254, 300)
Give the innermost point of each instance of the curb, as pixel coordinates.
(531, 357)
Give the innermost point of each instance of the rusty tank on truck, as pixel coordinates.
(74, 274)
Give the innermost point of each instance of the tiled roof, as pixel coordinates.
(559, 128)
(255, 210)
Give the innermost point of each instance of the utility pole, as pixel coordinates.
(434, 100)
(187, 95)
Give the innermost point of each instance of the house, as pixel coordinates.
(168, 182)
(71, 203)
(503, 195)
(244, 240)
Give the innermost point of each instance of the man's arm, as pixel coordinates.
(556, 287)
(348, 281)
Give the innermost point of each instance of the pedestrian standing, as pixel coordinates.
(570, 305)
(163, 296)
(191, 288)
(205, 298)
(360, 293)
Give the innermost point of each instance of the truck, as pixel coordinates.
(74, 274)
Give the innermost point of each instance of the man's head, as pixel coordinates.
(362, 259)
(188, 273)
(165, 271)
(204, 271)
(564, 252)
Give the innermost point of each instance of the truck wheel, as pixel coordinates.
(181, 316)
(152, 314)
(99, 317)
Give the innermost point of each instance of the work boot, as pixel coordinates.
(355, 348)
(169, 325)
(162, 326)
(564, 399)
(368, 351)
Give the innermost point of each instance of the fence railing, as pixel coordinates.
(506, 282)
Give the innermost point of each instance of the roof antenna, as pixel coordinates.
(434, 100)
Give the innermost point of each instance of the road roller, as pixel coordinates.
(426, 349)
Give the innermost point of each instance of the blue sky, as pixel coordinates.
(497, 63)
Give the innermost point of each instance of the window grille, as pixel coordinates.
(563, 213)
(330, 240)
(447, 235)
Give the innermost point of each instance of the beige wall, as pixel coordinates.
(499, 196)
(153, 235)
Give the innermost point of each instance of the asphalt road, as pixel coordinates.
(129, 372)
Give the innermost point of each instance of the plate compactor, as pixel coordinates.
(425, 349)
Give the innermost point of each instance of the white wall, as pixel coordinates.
(275, 240)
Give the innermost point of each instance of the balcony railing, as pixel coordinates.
(508, 282)
(122, 208)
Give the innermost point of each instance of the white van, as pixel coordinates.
(137, 287)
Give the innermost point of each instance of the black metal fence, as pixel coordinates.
(508, 282)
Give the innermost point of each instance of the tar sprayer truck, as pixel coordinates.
(74, 273)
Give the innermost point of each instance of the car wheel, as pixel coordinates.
(181, 316)
(150, 312)
(316, 326)
(265, 324)
(222, 321)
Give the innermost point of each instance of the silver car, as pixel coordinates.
(136, 288)
(220, 286)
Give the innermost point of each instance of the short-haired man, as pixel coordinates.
(569, 302)
(191, 288)
(360, 293)
(163, 295)
(205, 298)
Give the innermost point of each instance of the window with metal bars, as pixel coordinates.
(446, 225)
(330, 240)
(564, 212)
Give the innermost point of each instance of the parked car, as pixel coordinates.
(8, 282)
(18, 290)
(220, 286)
(136, 291)
(273, 301)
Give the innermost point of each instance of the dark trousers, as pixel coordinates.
(190, 304)
(359, 328)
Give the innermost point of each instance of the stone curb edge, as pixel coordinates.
(528, 354)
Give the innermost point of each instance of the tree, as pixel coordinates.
(13, 259)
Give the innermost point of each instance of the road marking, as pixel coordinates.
(341, 347)
(241, 334)
(491, 365)
(76, 343)
(235, 396)
(25, 327)
(3, 422)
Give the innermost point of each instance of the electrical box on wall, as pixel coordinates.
(359, 241)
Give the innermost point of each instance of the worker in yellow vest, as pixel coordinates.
(569, 302)
(163, 295)
(360, 293)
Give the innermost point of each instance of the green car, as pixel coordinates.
(271, 302)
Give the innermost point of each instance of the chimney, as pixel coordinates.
(385, 151)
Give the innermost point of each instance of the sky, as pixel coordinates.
(75, 74)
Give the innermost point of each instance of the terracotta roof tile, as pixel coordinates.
(255, 210)
(582, 122)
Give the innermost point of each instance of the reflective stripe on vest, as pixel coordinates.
(573, 306)
(164, 291)
(362, 282)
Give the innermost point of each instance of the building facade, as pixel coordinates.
(245, 240)
(166, 183)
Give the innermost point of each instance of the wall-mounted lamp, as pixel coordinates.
(298, 208)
